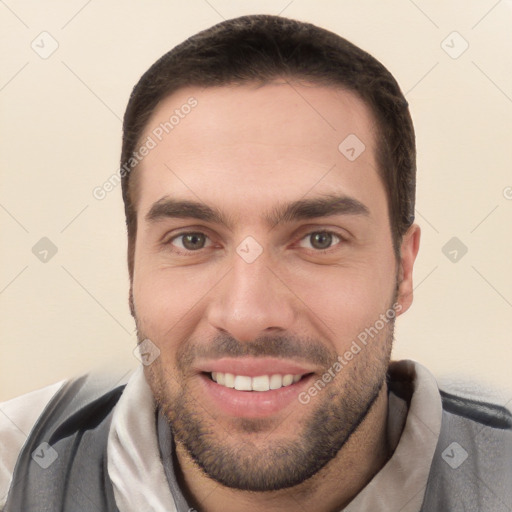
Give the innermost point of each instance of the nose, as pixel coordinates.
(251, 301)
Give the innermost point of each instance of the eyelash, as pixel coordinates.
(186, 252)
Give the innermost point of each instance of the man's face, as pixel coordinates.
(280, 259)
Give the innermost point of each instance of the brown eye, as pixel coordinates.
(320, 240)
(190, 241)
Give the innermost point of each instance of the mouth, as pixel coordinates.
(260, 383)
(252, 387)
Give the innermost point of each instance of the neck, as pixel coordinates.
(331, 489)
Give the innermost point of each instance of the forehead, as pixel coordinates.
(275, 142)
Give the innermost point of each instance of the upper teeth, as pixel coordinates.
(260, 383)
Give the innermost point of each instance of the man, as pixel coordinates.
(268, 172)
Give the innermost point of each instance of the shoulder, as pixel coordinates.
(476, 410)
(472, 465)
(60, 410)
(17, 419)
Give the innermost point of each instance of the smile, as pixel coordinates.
(259, 383)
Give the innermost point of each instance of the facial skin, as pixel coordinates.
(248, 152)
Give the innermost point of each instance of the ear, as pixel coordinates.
(408, 251)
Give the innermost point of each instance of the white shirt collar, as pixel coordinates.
(140, 484)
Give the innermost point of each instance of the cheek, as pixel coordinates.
(345, 300)
(169, 302)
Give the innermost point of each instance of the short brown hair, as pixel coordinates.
(261, 48)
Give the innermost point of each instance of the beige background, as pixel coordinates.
(60, 134)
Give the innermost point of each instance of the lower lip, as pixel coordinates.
(252, 404)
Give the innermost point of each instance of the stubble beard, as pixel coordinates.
(231, 459)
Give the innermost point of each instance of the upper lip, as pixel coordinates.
(254, 366)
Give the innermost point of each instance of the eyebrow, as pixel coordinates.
(325, 206)
(302, 209)
(167, 207)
